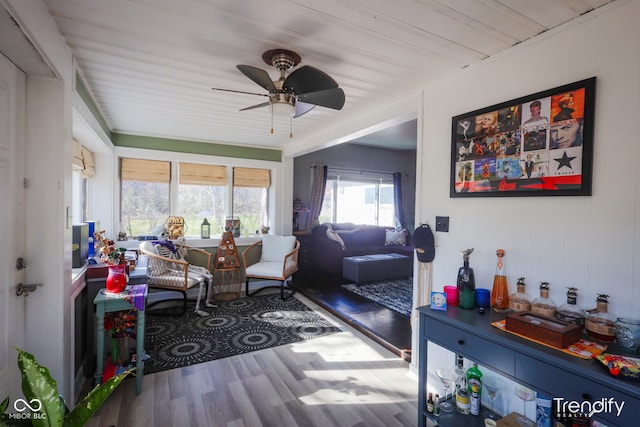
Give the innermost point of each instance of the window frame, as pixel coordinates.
(337, 175)
(276, 211)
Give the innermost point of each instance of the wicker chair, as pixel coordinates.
(175, 273)
(272, 258)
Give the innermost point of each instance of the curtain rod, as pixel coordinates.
(331, 168)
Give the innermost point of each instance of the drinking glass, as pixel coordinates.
(446, 377)
(526, 395)
(493, 385)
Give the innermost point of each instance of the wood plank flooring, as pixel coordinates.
(345, 379)
(389, 328)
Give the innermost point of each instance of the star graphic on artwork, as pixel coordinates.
(564, 161)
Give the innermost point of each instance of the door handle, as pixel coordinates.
(25, 290)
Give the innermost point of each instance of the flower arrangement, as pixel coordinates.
(121, 326)
(121, 323)
(109, 254)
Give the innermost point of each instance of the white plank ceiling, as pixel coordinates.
(150, 64)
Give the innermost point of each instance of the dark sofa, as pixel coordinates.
(326, 254)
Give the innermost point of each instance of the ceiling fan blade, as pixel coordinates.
(302, 108)
(264, 104)
(239, 91)
(330, 98)
(308, 79)
(258, 75)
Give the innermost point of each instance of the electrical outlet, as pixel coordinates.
(442, 223)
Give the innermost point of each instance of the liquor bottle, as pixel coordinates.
(460, 373)
(436, 405)
(466, 283)
(500, 291)
(543, 305)
(474, 387)
(519, 301)
(430, 403)
(600, 324)
(463, 403)
(570, 311)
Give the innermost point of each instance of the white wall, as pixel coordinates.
(591, 243)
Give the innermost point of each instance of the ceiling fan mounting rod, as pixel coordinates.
(281, 59)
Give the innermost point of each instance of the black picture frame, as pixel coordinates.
(536, 145)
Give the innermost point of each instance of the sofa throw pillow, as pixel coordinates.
(332, 235)
(395, 238)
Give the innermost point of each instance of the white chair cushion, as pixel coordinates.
(274, 248)
(174, 280)
(265, 269)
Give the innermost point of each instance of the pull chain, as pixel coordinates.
(271, 119)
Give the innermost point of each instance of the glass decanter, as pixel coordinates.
(466, 283)
(570, 311)
(500, 291)
(543, 305)
(600, 324)
(519, 301)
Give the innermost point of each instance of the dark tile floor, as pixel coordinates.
(389, 328)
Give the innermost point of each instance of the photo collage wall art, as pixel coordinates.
(536, 145)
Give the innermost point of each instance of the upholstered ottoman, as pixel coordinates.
(370, 268)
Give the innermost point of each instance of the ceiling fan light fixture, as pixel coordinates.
(293, 95)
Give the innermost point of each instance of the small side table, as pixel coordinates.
(133, 295)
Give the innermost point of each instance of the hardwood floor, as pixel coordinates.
(344, 379)
(389, 328)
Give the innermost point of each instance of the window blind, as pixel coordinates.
(145, 170)
(83, 159)
(77, 155)
(89, 165)
(250, 177)
(199, 174)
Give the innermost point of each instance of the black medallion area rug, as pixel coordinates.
(394, 294)
(234, 327)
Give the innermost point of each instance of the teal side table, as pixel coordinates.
(132, 296)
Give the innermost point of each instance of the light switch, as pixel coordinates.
(442, 223)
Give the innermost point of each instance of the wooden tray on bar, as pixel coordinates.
(549, 331)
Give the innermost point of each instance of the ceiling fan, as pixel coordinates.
(303, 88)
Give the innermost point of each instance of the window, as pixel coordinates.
(153, 190)
(250, 187)
(359, 197)
(144, 199)
(83, 168)
(202, 194)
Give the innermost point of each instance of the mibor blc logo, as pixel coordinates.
(27, 410)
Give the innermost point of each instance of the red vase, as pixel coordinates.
(117, 278)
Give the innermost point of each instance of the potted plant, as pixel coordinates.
(48, 408)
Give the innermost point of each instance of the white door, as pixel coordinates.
(12, 119)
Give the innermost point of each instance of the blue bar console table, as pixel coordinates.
(132, 296)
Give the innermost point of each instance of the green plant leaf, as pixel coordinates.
(37, 383)
(4, 405)
(92, 401)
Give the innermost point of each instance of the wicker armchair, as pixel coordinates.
(173, 271)
(272, 258)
